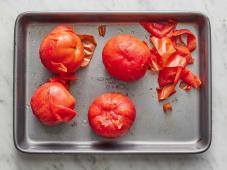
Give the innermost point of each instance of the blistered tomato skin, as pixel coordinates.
(52, 104)
(126, 57)
(111, 115)
(62, 51)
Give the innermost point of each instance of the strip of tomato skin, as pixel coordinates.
(159, 29)
(190, 78)
(166, 76)
(165, 57)
(172, 70)
(191, 39)
(184, 51)
(176, 60)
(89, 44)
(173, 55)
(164, 47)
(166, 91)
(156, 64)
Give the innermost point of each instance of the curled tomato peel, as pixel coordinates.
(159, 29)
(176, 60)
(170, 56)
(190, 78)
(191, 39)
(184, 51)
(89, 44)
(169, 84)
(164, 47)
(167, 76)
(166, 91)
(178, 75)
(156, 62)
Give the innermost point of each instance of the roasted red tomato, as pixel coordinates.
(111, 115)
(62, 51)
(52, 103)
(126, 57)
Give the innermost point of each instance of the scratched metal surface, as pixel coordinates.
(187, 129)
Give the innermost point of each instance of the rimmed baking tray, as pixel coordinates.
(186, 130)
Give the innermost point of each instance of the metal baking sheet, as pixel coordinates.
(187, 129)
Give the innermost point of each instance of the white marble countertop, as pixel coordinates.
(214, 158)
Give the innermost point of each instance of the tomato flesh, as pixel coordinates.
(111, 115)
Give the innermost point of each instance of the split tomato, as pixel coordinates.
(52, 103)
(111, 115)
(62, 51)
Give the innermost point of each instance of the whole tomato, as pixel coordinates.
(111, 115)
(62, 51)
(126, 57)
(52, 103)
